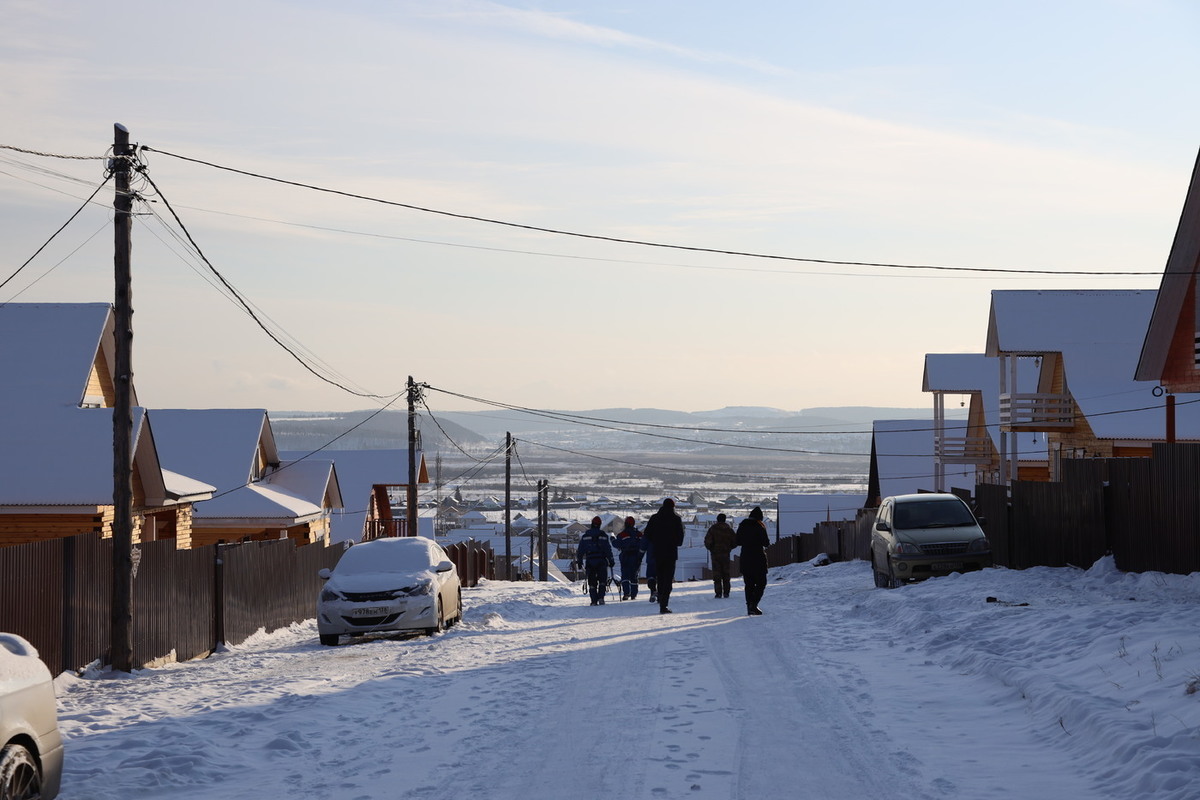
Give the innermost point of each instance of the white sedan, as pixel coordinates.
(31, 749)
(390, 584)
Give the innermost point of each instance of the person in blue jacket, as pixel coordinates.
(629, 542)
(595, 554)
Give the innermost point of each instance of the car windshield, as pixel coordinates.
(385, 557)
(932, 514)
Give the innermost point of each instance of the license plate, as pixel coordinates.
(374, 611)
(947, 566)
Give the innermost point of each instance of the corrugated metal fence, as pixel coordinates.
(58, 595)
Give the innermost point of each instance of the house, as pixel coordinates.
(1086, 400)
(56, 432)
(977, 440)
(367, 479)
(257, 498)
(1170, 354)
(902, 461)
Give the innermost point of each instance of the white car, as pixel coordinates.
(390, 584)
(31, 748)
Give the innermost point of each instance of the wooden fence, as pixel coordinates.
(58, 595)
(1145, 511)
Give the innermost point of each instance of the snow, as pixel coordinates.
(1070, 684)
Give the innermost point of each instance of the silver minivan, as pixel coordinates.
(918, 536)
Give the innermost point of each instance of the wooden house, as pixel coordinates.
(1086, 399)
(258, 495)
(1170, 355)
(371, 481)
(977, 440)
(56, 432)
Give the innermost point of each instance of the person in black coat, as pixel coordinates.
(752, 538)
(664, 535)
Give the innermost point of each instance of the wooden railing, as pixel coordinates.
(1036, 412)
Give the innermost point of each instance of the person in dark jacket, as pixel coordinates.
(720, 541)
(664, 532)
(752, 538)
(651, 569)
(629, 542)
(595, 554)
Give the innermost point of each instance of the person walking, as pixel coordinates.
(752, 538)
(651, 570)
(595, 554)
(664, 532)
(629, 542)
(720, 541)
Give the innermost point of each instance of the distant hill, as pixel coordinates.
(350, 430)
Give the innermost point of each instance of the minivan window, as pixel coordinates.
(932, 514)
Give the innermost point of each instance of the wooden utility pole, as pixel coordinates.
(410, 501)
(543, 530)
(508, 507)
(121, 653)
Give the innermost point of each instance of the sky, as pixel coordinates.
(1022, 136)
(1037, 684)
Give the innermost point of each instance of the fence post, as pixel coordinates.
(218, 595)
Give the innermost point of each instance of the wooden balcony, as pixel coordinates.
(1036, 412)
(962, 449)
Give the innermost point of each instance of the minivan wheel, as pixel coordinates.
(20, 777)
(328, 639)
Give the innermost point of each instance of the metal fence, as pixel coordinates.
(58, 595)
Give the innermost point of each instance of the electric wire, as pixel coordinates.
(50, 155)
(56, 265)
(245, 305)
(61, 228)
(637, 242)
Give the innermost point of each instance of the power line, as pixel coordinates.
(50, 155)
(638, 242)
(61, 228)
(245, 305)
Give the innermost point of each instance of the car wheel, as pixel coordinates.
(20, 777)
(329, 639)
(441, 621)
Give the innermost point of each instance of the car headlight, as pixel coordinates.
(424, 587)
(329, 595)
(980, 545)
(907, 549)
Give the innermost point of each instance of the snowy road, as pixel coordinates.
(839, 691)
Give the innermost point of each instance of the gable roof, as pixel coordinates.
(1182, 264)
(47, 351)
(217, 446)
(357, 472)
(1099, 333)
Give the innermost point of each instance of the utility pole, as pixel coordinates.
(121, 652)
(410, 502)
(543, 530)
(508, 506)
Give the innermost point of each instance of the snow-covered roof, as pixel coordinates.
(47, 351)
(1100, 335)
(357, 472)
(185, 488)
(903, 458)
(256, 504)
(976, 374)
(216, 445)
(66, 459)
(799, 513)
(312, 478)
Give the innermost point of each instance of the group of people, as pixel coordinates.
(659, 544)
